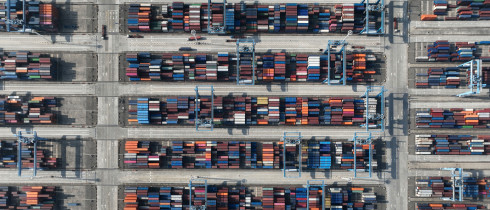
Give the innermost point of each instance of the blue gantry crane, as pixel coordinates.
(474, 72)
(198, 183)
(29, 137)
(315, 183)
(457, 175)
(363, 138)
(25, 28)
(373, 113)
(291, 138)
(378, 6)
(204, 123)
(10, 22)
(332, 46)
(216, 29)
(245, 46)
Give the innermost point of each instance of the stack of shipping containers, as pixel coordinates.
(255, 197)
(24, 65)
(278, 67)
(344, 111)
(28, 197)
(316, 155)
(39, 16)
(452, 144)
(25, 110)
(443, 50)
(252, 18)
(470, 10)
(453, 118)
(444, 206)
(8, 154)
(441, 187)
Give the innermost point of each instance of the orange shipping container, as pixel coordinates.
(435, 205)
(428, 17)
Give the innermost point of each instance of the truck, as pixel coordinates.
(185, 49)
(192, 38)
(104, 32)
(135, 36)
(395, 24)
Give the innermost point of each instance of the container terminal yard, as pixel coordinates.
(352, 104)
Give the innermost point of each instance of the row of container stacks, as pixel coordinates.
(241, 197)
(269, 67)
(442, 50)
(250, 18)
(444, 206)
(8, 155)
(453, 118)
(358, 67)
(39, 16)
(441, 187)
(316, 155)
(139, 17)
(28, 197)
(26, 65)
(450, 77)
(464, 9)
(27, 110)
(452, 145)
(246, 62)
(230, 110)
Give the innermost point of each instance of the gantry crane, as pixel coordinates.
(203, 124)
(378, 6)
(363, 138)
(23, 22)
(457, 175)
(10, 22)
(376, 93)
(216, 29)
(198, 183)
(29, 137)
(245, 46)
(315, 183)
(291, 138)
(474, 72)
(334, 44)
